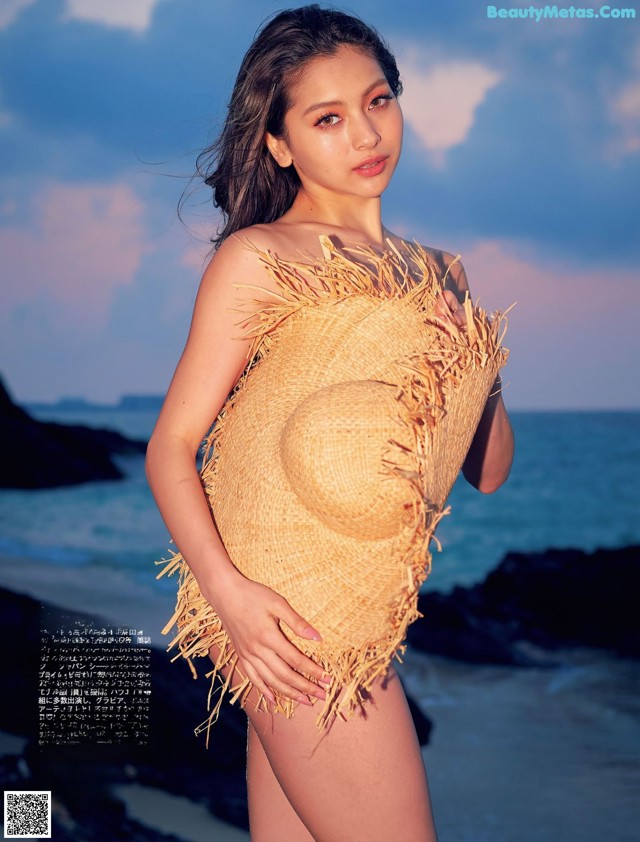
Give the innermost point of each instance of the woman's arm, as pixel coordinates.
(213, 359)
(490, 456)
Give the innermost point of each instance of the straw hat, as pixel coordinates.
(329, 466)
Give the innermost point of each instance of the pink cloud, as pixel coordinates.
(79, 244)
(572, 333)
(550, 294)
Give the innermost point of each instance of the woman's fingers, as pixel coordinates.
(449, 307)
(266, 656)
(282, 663)
(273, 674)
(257, 682)
(279, 663)
(296, 623)
(299, 626)
(302, 663)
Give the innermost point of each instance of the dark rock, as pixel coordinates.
(535, 603)
(20, 629)
(48, 455)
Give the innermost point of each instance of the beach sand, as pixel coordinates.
(170, 814)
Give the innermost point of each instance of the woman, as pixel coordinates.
(312, 138)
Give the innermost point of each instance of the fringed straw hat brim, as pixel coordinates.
(329, 466)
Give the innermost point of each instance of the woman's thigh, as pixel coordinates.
(271, 816)
(364, 780)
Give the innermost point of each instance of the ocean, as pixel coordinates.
(542, 754)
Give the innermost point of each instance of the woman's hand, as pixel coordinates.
(448, 307)
(249, 612)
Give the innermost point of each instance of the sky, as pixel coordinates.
(521, 154)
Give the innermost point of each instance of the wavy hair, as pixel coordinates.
(248, 185)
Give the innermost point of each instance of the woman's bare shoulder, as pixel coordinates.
(238, 260)
(284, 240)
(244, 245)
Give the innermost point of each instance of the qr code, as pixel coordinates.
(27, 814)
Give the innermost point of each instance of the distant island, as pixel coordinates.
(127, 403)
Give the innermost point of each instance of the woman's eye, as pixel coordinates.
(327, 120)
(381, 101)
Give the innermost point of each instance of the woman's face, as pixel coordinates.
(344, 128)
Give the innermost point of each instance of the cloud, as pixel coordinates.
(197, 252)
(572, 334)
(440, 103)
(10, 10)
(625, 112)
(128, 14)
(63, 264)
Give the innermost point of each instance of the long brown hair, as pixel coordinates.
(248, 186)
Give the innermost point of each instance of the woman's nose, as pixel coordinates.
(365, 134)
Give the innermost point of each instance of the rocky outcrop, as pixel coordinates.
(535, 603)
(39, 454)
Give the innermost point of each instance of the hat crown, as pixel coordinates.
(333, 448)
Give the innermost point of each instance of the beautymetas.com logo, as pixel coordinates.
(539, 13)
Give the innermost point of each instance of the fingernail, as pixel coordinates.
(313, 634)
(304, 700)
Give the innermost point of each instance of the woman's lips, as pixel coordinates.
(372, 166)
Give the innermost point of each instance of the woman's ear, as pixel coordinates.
(279, 149)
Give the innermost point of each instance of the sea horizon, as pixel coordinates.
(133, 402)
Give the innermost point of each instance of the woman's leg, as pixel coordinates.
(271, 816)
(364, 782)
